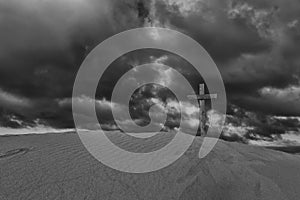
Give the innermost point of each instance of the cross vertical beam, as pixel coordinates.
(202, 116)
(202, 97)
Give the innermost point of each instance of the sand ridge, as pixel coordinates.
(57, 166)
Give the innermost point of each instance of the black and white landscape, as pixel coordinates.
(255, 45)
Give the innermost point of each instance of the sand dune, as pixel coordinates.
(57, 166)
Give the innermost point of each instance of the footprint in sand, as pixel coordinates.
(14, 152)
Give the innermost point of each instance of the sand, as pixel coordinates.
(57, 166)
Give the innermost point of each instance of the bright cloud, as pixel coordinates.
(12, 100)
(291, 93)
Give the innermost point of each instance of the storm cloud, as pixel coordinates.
(254, 43)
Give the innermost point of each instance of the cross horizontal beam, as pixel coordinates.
(203, 96)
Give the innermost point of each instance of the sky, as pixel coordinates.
(255, 45)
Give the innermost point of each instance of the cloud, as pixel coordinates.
(286, 140)
(141, 108)
(35, 129)
(186, 7)
(103, 110)
(12, 101)
(235, 133)
(292, 137)
(205, 20)
(251, 42)
(259, 129)
(254, 43)
(288, 94)
(273, 101)
(260, 19)
(293, 23)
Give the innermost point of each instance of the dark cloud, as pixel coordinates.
(224, 37)
(145, 97)
(251, 42)
(142, 100)
(254, 43)
(244, 126)
(139, 57)
(42, 46)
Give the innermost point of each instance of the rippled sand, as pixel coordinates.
(57, 166)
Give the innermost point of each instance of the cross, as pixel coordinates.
(202, 97)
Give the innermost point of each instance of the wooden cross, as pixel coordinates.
(202, 97)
